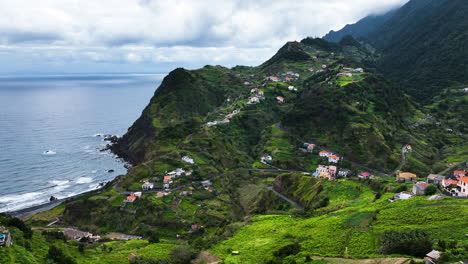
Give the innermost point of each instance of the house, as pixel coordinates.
(435, 179)
(266, 159)
(280, 99)
(225, 121)
(450, 186)
(333, 159)
(291, 88)
(272, 78)
(459, 173)
(326, 175)
(253, 100)
(324, 66)
(130, 199)
(177, 172)
(247, 83)
(167, 179)
(406, 177)
(147, 186)
(210, 124)
(254, 90)
(432, 257)
(408, 148)
(310, 147)
(5, 237)
(137, 194)
(188, 159)
(344, 173)
(418, 188)
(311, 69)
(324, 153)
(76, 234)
(401, 196)
(358, 70)
(206, 183)
(186, 193)
(261, 93)
(364, 175)
(289, 79)
(462, 187)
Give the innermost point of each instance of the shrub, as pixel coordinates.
(182, 254)
(58, 256)
(430, 190)
(415, 243)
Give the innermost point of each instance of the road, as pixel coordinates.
(285, 198)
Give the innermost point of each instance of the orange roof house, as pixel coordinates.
(333, 158)
(406, 177)
(131, 199)
(324, 153)
(280, 99)
(459, 173)
(167, 178)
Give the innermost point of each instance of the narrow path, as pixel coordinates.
(53, 222)
(285, 198)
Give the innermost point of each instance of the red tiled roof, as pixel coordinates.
(334, 157)
(423, 185)
(459, 172)
(463, 179)
(324, 152)
(365, 174)
(450, 182)
(131, 198)
(311, 146)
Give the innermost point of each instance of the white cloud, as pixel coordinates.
(163, 32)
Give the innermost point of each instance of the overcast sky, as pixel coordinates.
(73, 36)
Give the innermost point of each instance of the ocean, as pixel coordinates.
(50, 129)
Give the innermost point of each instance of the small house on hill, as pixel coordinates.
(333, 159)
(418, 188)
(459, 173)
(147, 186)
(435, 179)
(310, 147)
(324, 153)
(462, 187)
(406, 177)
(130, 199)
(364, 175)
(432, 257)
(5, 237)
(280, 99)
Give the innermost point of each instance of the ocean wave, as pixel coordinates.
(82, 180)
(59, 182)
(18, 198)
(49, 152)
(94, 171)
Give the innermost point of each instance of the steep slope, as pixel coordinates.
(361, 28)
(424, 46)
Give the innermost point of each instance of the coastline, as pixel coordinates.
(29, 211)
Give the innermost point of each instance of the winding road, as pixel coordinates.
(298, 206)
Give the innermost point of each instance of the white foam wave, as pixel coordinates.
(82, 180)
(94, 171)
(49, 152)
(18, 198)
(59, 182)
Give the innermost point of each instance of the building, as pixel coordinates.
(176, 173)
(401, 196)
(280, 99)
(206, 183)
(130, 199)
(432, 257)
(324, 153)
(462, 187)
(418, 188)
(435, 179)
(5, 237)
(324, 171)
(76, 234)
(266, 159)
(147, 186)
(253, 100)
(364, 175)
(310, 147)
(406, 177)
(358, 70)
(333, 159)
(344, 173)
(459, 173)
(188, 159)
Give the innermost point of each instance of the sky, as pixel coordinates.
(116, 36)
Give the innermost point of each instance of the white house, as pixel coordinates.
(280, 99)
(147, 186)
(462, 187)
(253, 100)
(188, 159)
(333, 159)
(324, 153)
(358, 70)
(266, 159)
(344, 173)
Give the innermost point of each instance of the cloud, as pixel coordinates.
(162, 32)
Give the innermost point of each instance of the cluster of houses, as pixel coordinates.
(332, 158)
(256, 96)
(168, 179)
(286, 77)
(5, 237)
(224, 121)
(457, 185)
(78, 235)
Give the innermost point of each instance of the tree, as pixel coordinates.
(58, 256)
(430, 190)
(415, 243)
(182, 254)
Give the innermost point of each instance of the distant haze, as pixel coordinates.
(71, 36)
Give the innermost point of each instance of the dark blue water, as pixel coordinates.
(63, 114)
